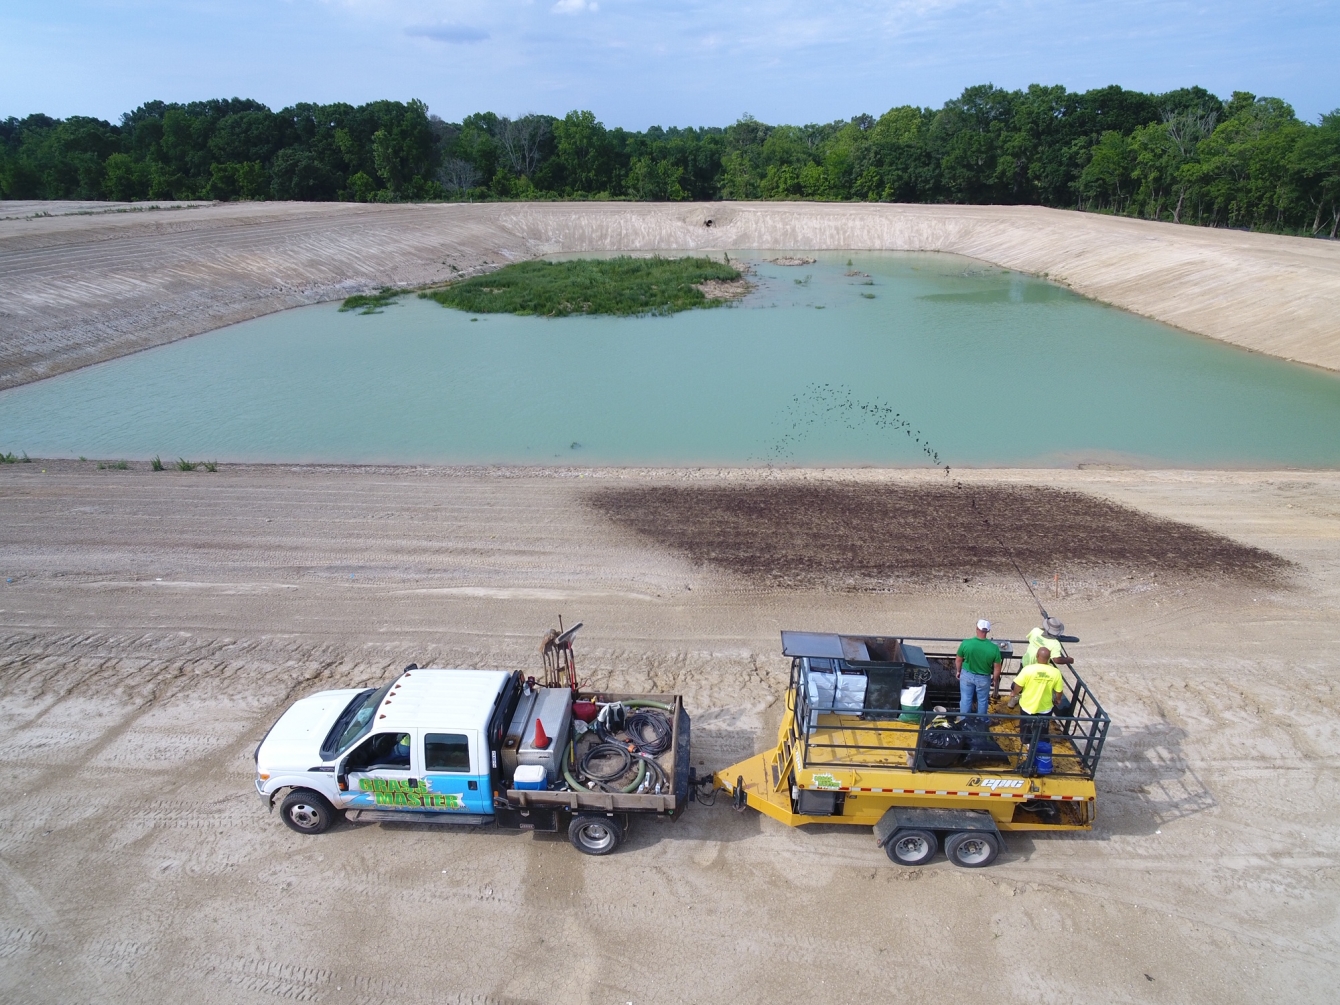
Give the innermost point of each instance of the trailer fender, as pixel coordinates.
(928, 818)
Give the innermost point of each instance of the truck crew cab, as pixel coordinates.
(450, 746)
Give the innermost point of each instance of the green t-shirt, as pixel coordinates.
(979, 655)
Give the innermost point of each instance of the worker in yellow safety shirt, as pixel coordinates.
(1038, 688)
(1046, 636)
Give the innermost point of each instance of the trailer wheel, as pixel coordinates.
(307, 812)
(738, 799)
(595, 835)
(972, 849)
(912, 847)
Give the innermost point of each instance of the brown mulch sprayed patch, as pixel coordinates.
(857, 535)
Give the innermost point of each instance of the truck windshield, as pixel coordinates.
(354, 721)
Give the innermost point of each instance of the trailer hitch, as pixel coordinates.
(702, 786)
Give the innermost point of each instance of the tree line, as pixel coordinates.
(1185, 156)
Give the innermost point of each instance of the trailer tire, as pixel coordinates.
(912, 847)
(972, 849)
(593, 835)
(307, 812)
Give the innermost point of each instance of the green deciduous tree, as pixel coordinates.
(1184, 156)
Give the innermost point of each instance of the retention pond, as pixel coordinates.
(859, 358)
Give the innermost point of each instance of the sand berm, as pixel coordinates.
(89, 282)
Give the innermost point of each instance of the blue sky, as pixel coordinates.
(637, 63)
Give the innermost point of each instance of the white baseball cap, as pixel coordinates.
(984, 625)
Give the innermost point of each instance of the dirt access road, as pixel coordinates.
(156, 624)
(85, 283)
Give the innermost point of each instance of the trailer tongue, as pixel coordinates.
(851, 751)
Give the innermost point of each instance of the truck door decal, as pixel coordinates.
(380, 775)
(399, 792)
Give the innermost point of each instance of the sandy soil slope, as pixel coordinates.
(152, 626)
(85, 286)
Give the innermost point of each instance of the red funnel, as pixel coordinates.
(541, 740)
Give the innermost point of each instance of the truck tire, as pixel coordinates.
(595, 835)
(972, 849)
(307, 812)
(912, 847)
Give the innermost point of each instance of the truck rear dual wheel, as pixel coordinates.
(307, 812)
(595, 835)
(912, 847)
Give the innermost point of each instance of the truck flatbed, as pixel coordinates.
(530, 806)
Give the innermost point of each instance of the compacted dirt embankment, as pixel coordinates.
(154, 624)
(98, 283)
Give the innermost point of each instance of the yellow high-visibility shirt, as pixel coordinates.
(1037, 683)
(1037, 639)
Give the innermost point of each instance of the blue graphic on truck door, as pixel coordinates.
(450, 775)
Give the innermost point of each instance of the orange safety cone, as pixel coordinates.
(541, 741)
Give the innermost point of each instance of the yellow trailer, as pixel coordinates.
(849, 751)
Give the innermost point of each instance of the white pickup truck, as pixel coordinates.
(451, 746)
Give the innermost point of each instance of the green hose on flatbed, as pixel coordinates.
(579, 787)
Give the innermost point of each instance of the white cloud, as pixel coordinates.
(639, 62)
(454, 34)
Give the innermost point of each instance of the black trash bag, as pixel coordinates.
(977, 743)
(983, 749)
(942, 747)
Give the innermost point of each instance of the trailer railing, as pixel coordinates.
(836, 734)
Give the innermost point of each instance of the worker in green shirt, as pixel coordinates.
(977, 665)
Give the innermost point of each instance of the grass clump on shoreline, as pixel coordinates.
(621, 286)
(371, 303)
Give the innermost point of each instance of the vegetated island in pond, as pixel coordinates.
(623, 286)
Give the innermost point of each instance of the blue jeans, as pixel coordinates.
(973, 685)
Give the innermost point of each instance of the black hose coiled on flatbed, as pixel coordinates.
(603, 750)
(645, 721)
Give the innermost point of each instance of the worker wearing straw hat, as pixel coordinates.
(1047, 635)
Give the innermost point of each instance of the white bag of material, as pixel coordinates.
(850, 693)
(913, 697)
(835, 693)
(822, 688)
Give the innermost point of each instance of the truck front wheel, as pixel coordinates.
(307, 812)
(595, 835)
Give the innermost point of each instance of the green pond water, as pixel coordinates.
(927, 359)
